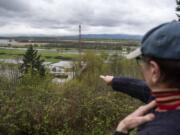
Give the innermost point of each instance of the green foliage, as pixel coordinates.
(83, 106)
(32, 62)
(178, 9)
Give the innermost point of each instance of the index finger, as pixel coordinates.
(102, 76)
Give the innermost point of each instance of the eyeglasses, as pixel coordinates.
(141, 60)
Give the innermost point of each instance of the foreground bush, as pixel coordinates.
(83, 106)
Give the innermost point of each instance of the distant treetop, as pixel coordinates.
(178, 9)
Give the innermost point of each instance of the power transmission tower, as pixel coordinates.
(80, 49)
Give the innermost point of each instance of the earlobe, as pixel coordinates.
(154, 79)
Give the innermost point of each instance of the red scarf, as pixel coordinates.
(168, 100)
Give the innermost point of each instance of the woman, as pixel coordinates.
(159, 59)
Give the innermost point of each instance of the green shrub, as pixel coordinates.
(83, 106)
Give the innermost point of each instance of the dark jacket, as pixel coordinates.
(165, 123)
(133, 87)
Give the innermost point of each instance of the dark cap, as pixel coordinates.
(162, 42)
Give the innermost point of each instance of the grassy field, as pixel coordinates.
(48, 56)
(111, 40)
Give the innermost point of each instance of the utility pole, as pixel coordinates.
(80, 39)
(80, 48)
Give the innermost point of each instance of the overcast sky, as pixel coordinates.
(61, 17)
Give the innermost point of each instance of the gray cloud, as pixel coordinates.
(96, 16)
(12, 5)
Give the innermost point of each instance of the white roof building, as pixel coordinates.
(60, 66)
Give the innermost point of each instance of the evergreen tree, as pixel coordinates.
(32, 62)
(178, 9)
